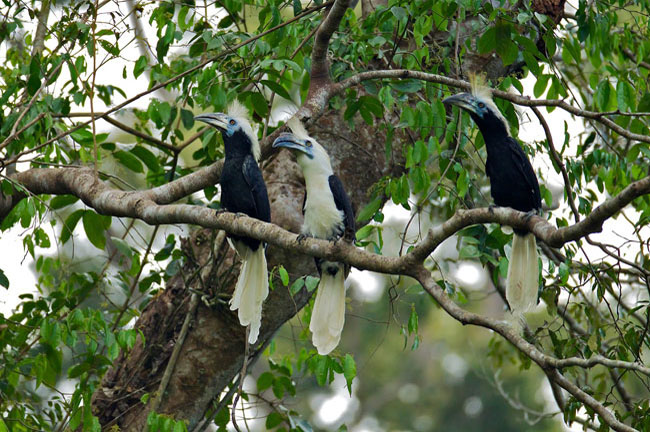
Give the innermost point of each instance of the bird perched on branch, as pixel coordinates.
(243, 191)
(513, 184)
(327, 215)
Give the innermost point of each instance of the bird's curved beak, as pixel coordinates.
(462, 100)
(290, 141)
(217, 120)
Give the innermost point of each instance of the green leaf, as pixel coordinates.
(188, 118)
(349, 371)
(140, 66)
(183, 24)
(284, 275)
(61, 201)
(94, 225)
(644, 103)
(468, 251)
(3, 426)
(128, 160)
(370, 209)
(7, 188)
(265, 381)
(365, 232)
(505, 46)
(109, 47)
(399, 12)
(540, 85)
(222, 417)
(277, 88)
(122, 246)
(274, 419)
(34, 82)
(603, 94)
(179, 426)
(69, 225)
(371, 104)
(625, 96)
(488, 42)
(462, 184)
(3, 279)
(407, 86)
(322, 369)
(297, 7)
(413, 321)
(259, 104)
(311, 283)
(296, 286)
(146, 156)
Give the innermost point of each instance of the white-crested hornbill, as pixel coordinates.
(243, 191)
(328, 215)
(513, 184)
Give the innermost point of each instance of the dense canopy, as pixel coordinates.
(109, 189)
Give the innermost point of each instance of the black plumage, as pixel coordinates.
(513, 184)
(243, 191)
(342, 202)
(242, 186)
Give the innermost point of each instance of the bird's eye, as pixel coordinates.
(232, 122)
(308, 143)
(481, 105)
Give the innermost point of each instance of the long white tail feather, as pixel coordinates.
(251, 289)
(328, 315)
(523, 274)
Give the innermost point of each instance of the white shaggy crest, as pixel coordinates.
(481, 91)
(297, 128)
(239, 112)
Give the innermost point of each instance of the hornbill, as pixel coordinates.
(513, 184)
(327, 215)
(243, 191)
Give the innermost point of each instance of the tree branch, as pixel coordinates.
(319, 64)
(126, 128)
(558, 161)
(546, 362)
(152, 207)
(171, 80)
(516, 99)
(146, 205)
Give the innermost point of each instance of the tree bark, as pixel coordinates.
(213, 352)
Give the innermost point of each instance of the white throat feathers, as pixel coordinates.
(320, 163)
(322, 218)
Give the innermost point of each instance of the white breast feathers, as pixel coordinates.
(322, 218)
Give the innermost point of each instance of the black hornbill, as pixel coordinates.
(327, 215)
(243, 191)
(513, 184)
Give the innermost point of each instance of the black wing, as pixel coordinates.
(253, 177)
(522, 163)
(342, 202)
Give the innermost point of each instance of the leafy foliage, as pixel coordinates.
(78, 319)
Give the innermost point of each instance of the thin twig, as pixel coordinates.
(155, 403)
(558, 161)
(242, 376)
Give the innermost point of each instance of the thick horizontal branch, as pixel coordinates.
(150, 206)
(555, 237)
(516, 99)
